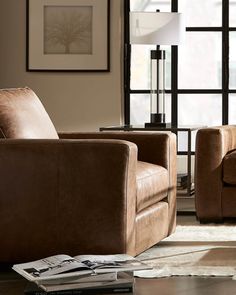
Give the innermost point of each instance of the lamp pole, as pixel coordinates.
(157, 87)
(157, 105)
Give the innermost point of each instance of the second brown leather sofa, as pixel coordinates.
(215, 175)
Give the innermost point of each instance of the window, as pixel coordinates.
(200, 74)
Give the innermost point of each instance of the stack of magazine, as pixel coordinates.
(82, 274)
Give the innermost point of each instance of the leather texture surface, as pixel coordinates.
(212, 146)
(229, 168)
(152, 184)
(99, 193)
(151, 225)
(153, 147)
(229, 202)
(66, 197)
(22, 115)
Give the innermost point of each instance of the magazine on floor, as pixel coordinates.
(110, 276)
(123, 279)
(65, 266)
(32, 289)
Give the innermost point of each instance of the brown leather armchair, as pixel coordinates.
(82, 192)
(215, 173)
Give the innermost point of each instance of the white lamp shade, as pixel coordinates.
(160, 28)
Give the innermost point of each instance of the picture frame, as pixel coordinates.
(68, 35)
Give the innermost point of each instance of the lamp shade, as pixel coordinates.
(160, 28)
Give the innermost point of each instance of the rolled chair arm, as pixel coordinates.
(84, 190)
(212, 144)
(153, 147)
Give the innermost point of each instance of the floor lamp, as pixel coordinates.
(159, 28)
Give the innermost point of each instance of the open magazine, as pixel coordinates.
(65, 266)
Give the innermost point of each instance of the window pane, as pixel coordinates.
(202, 13)
(232, 60)
(232, 13)
(140, 108)
(200, 61)
(150, 5)
(140, 66)
(232, 109)
(183, 141)
(200, 109)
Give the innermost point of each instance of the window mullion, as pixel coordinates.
(127, 63)
(174, 75)
(225, 61)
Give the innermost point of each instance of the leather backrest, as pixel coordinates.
(22, 115)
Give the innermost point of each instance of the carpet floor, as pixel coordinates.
(197, 250)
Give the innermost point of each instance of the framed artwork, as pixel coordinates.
(68, 35)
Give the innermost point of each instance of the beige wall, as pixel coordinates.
(74, 101)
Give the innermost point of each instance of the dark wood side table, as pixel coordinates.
(175, 129)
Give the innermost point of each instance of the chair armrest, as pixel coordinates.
(212, 144)
(154, 147)
(80, 193)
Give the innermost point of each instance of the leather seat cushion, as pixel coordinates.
(152, 184)
(229, 168)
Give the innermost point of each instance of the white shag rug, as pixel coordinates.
(193, 250)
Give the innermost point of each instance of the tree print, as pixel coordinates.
(68, 29)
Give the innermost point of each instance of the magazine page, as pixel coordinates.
(51, 267)
(111, 263)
